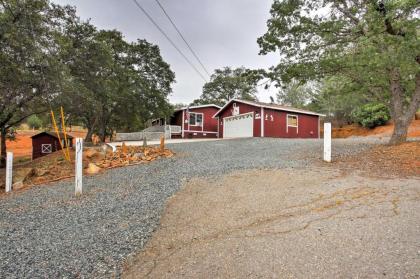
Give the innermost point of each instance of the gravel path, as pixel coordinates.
(46, 232)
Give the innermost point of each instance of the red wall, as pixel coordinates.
(209, 128)
(307, 124)
(39, 140)
(243, 108)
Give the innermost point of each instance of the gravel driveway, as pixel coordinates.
(46, 232)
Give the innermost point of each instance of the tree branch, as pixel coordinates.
(23, 118)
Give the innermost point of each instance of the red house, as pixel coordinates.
(239, 118)
(195, 122)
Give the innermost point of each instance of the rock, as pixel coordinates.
(138, 156)
(93, 169)
(18, 185)
(90, 153)
(23, 174)
(124, 148)
(41, 172)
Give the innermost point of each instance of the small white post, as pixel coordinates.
(79, 166)
(327, 142)
(9, 171)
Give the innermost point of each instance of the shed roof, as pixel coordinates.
(270, 106)
(52, 134)
(200, 106)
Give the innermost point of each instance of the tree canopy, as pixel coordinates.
(227, 84)
(371, 45)
(50, 58)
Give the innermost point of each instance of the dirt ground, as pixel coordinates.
(381, 131)
(22, 146)
(290, 223)
(385, 160)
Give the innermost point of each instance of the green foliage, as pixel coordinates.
(372, 115)
(296, 94)
(371, 48)
(227, 84)
(34, 122)
(50, 58)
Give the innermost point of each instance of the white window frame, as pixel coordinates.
(195, 125)
(46, 148)
(297, 122)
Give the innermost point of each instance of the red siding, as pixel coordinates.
(38, 141)
(307, 125)
(207, 130)
(275, 122)
(243, 108)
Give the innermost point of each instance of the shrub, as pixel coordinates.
(34, 122)
(372, 115)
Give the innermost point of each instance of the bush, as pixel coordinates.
(34, 122)
(372, 115)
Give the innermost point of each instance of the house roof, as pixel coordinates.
(268, 105)
(200, 106)
(52, 134)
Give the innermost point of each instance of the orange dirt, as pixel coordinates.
(398, 160)
(22, 146)
(381, 131)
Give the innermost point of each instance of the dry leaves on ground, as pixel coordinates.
(386, 160)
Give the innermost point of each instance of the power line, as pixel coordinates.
(180, 34)
(169, 39)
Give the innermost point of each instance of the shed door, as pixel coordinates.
(239, 126)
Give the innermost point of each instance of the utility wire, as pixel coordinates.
(169, 39)
(180, 34)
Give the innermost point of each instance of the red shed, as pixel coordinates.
(46, 143)
(239, 118)
(196, 121)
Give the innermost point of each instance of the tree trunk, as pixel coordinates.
(89, 134)
(3, 148)
(399, 135)
(401, 115)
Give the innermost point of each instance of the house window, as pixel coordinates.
(196, 119)
(46, 148)
(292, 120)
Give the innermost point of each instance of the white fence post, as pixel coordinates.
(79, 166)
(327, 142)
(9, 171)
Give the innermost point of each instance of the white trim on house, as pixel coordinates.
(196, 107)
(202, 120)
(46, 148)
(319, 126)
(208, 132)
(262, 122)
(218, 131)
(297, 123)
(238, 115)
(182, 126)
(267, 106)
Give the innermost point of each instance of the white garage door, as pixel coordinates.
(239, 126)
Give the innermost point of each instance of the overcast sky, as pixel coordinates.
(222, 33)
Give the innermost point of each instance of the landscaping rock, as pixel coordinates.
(41, 172)
(23, 174)
(90, 153)
(138, 156)
(18, 185)
(93, 169)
